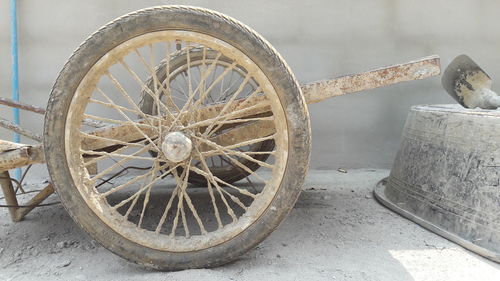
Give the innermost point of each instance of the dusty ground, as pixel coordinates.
(337, 231)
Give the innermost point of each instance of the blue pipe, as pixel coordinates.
(15, 69)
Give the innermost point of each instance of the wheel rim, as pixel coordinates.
(232, 208)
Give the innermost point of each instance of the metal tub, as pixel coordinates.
(446, 176)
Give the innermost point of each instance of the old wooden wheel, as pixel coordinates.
(140, 205)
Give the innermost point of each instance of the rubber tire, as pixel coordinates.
(229, 174)
(216, 25)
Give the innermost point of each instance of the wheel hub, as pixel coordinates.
(176, 147)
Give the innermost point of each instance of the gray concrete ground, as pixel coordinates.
(337, 231)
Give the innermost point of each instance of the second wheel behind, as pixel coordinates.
(174, 88)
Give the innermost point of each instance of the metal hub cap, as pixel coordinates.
(176, 147)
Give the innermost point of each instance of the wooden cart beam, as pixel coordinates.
(313, 92)
(415, 70)
(100, 138)
(14, 155)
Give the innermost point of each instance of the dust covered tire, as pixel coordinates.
(61, 142)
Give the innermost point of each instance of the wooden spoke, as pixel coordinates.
(113, 141)
(146, 200)
(214, 205)
(190, 204)
(207, 91)
(188, 70)
(145, 88)
(204, 67)
(115, 106)
(113, 154)
(235, 199)
(228, 149)
(124, 93)
(251, 110)
(156, 82)
(228, 104)
(167, 89)
(93, 160)
(240, 165)
(154, 170)
(191, 94)
(180, 205)
(215, 152)
(123, 186)
(167, 209)
(120, 122)
(184, 221)
(240, 144)
(211, 178)
(118, 164)
(134, 124)
(226, 117)
(215, 180)
(224, 94)
(143, 188)
(241, 120)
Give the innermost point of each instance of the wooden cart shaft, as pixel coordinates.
(313, 92)
(12, 155)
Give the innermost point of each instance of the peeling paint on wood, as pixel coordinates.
(415, 70)
(13, 155)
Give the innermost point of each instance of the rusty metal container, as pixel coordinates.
(446, 176)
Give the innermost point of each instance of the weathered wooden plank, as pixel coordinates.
(13, 155)
(7, 145)
(415, 70)
(247, 132)
(127, 133)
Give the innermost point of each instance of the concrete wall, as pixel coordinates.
(319, 39)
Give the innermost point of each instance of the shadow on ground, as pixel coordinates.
(337, 231)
